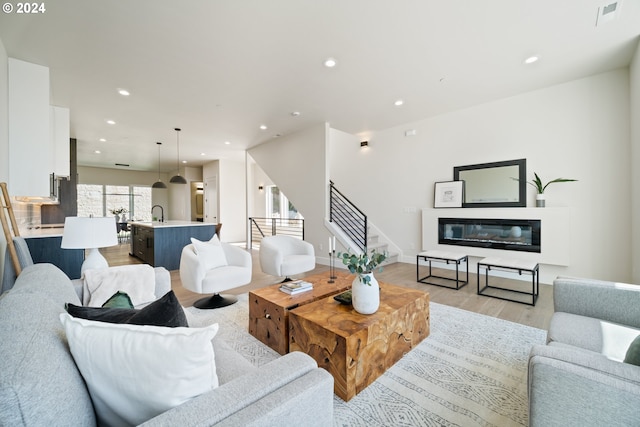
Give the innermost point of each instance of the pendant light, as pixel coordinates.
(178, 179)
(159, 183)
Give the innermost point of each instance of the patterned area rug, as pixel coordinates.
(470, 371)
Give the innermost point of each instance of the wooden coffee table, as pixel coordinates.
(269, 307)
(355, 348)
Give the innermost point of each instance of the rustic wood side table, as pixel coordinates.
(355, 348)
(269, 307)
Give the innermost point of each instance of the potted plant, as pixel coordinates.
(364, 289)
(117, 212)
(537, 184)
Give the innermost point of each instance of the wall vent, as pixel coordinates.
(608, 12)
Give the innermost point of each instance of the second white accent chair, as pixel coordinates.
(213, 267)
(284, 256)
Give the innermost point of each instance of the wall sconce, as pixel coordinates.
(260, 187)
(364, 144)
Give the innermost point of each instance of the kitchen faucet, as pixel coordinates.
(161, 212)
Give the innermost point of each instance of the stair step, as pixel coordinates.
(378, 246)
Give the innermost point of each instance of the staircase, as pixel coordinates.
(353, 229)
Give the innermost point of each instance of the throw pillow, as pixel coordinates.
(99, 314)
(210, 254)
(119, 300)
(633, 353)
(166, 311)
(135, 372)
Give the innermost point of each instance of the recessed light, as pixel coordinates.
(97, 151)
(202, 154)
(102, 140)
(228, 143)
(124, 92)
(111, 122)
(330, 62)
(398, 103)
(184, 161)
(295, 113)
(263, 127)
(531, 59)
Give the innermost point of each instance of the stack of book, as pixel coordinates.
(295, 287)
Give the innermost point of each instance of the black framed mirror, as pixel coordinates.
(491, 185)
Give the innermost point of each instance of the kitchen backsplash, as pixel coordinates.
(27, 214)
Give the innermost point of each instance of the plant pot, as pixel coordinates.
(540, 200)
(365, 297)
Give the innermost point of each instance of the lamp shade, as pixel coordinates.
(89, 233)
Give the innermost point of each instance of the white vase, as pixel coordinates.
(516, 232)
(365, 297)
(540, 200)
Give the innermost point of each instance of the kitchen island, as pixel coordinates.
(160, 244)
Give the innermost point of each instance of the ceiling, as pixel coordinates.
(219, 69)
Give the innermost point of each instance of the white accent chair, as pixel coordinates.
(196, 278)
(284, 256)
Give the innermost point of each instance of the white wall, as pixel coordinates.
(578, 130)
(232, 194)
(634, 80)
(257, 198)
(297, 164)
(180, 194)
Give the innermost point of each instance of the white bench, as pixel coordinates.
(514, 265)
(446, 257)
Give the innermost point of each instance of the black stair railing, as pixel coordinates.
(262, 227)
(346, 216)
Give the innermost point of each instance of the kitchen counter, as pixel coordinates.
(170, 223)
(48, 230)
(44, 245)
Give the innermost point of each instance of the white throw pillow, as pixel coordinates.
(210, 254)
(134, 372)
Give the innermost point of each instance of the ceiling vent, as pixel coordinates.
(608, 12)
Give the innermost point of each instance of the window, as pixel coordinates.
(278, 206)
(100, 200)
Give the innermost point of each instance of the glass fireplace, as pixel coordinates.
(506, 234)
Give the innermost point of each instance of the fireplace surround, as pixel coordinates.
(506, 234)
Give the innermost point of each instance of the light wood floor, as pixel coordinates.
(399, 274)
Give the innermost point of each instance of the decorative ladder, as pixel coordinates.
(6, 205)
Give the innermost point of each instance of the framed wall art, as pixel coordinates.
(448, 194)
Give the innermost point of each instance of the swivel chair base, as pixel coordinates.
(215, 301)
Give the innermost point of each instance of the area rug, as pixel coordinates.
(470, 371)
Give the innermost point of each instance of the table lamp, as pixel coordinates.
(90, 233)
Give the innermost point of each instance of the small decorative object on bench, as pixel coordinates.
(519, 266)
(442, 256)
